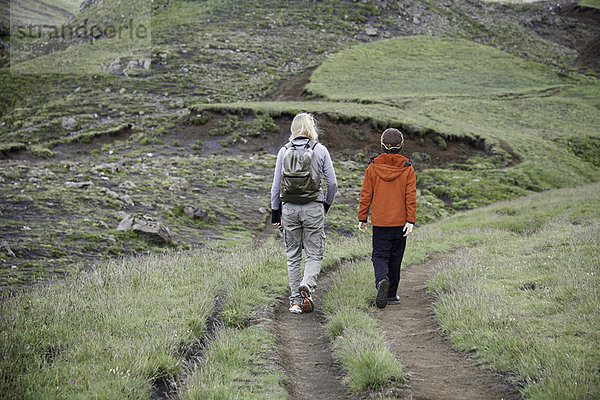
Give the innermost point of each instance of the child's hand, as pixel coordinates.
(407, 229)
(362, 226)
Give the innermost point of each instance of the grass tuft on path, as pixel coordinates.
(358, 342)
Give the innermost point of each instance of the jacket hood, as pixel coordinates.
(389, 166)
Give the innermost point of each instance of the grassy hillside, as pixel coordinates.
(590, 3)
(131, 122)
(29, 12)
(522, 296)
(539, 127)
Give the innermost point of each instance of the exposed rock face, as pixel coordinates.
(147, 227)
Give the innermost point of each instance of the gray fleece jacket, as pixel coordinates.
(325, 168)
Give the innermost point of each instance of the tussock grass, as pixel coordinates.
(368, 360)
(525, 298)
(110, 332)
(118, 329)
(358, 342)
(233, 366)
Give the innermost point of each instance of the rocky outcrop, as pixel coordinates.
(147, 227)
(79, 185)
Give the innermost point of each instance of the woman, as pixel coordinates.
(299, 206)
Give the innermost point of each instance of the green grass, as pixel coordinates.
(358, 342)
(422, 67)
(590, 3)
(451, 88)
(236, 365)
(523, 298)
(110, 332)
(118, 329)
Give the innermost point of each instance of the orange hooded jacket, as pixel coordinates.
(390, 190)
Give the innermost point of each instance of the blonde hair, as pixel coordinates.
(304, 124)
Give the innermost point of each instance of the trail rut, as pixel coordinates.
(304, 352)
(434, 370)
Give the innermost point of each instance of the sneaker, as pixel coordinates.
(295, 308)
(306, 291)
(307, 302)
(393, 300)
(382, 291)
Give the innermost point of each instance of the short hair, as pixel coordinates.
(392, 141)
(304, 124)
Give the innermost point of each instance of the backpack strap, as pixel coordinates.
(310, 144)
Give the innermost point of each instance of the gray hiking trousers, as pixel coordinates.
(303, 228)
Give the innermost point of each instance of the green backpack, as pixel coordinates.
(299, 181)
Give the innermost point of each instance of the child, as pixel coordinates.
(389, 190)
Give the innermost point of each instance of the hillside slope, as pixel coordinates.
(82, 151)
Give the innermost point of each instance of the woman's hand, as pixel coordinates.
(407, 229)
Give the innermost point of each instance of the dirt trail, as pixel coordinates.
(304, 352)
(434, 370)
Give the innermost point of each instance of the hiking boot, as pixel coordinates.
(382, 291)
(307, 302)
(295, 308)
(393, 300)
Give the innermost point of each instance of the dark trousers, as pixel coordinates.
(388, 250)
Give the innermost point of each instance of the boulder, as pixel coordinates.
(69, 123)
(79, 185)
(196, 213)
(125, 198)
(127, 185)
(147, 227)
(6, 247)
(370, 31)
(131, 65)
(179, 184)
